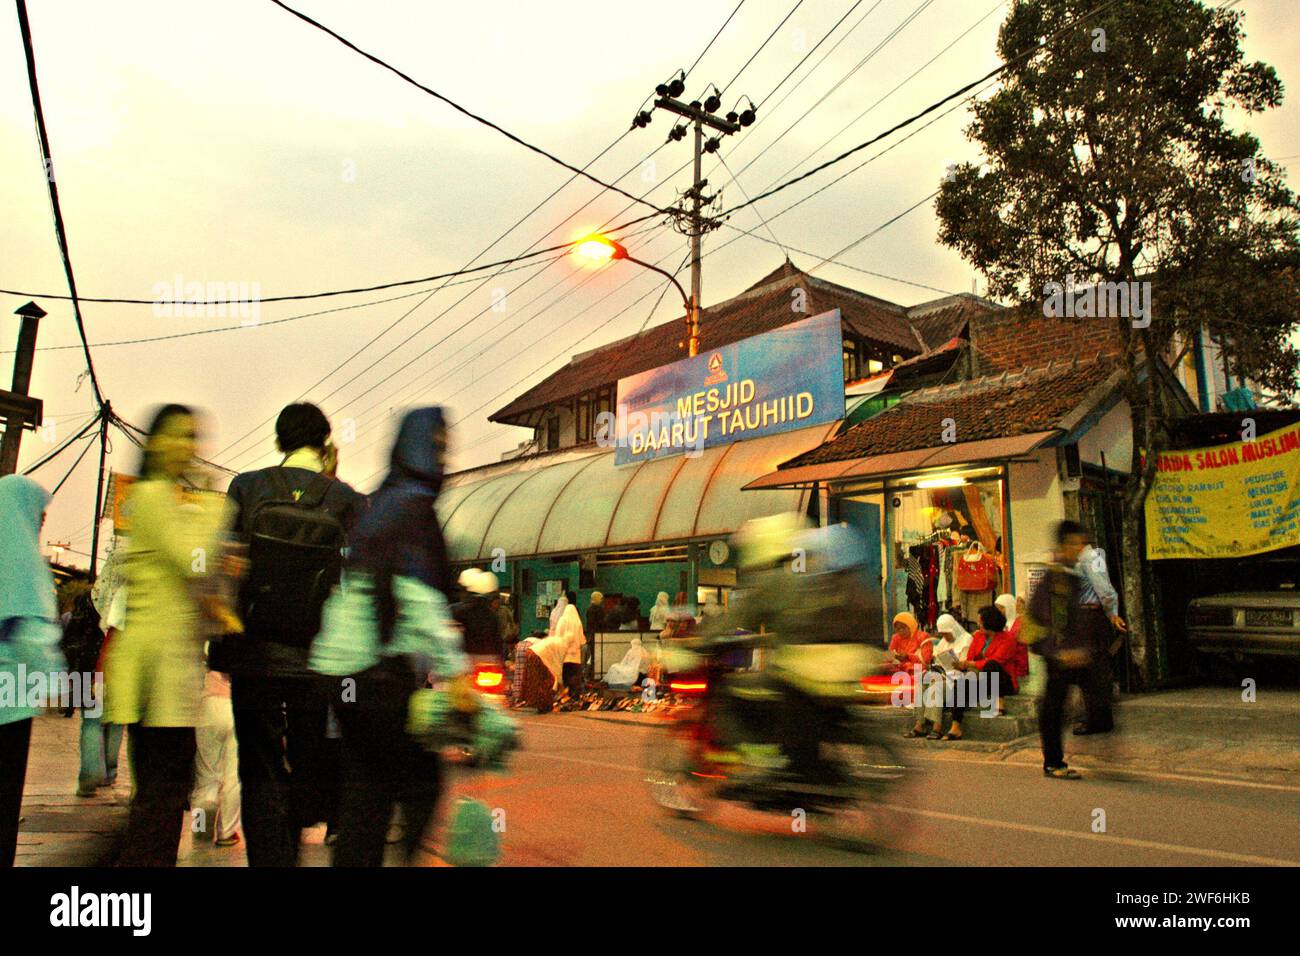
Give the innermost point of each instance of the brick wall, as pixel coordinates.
(1016, 338)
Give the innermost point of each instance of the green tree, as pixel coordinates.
(1109, 158)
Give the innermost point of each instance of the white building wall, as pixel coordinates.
(1036, 507)
(1112, 435)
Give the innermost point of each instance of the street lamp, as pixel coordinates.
(603, 249)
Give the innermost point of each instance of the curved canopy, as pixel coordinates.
(581, 502)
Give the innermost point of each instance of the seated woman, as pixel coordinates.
(909, 646)
(940, 680)
(993, 651)
(1013, 608)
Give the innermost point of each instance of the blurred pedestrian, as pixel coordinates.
(569, 631)
(216, 765)
(82, 643)
(1056, 628)
(154, 668)
(295, 519)
(480, 625)
(595, 623)
(29, 640)
(509, 629)
(385, 630)
(1099, 603)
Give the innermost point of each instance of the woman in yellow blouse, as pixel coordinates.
(154, 669)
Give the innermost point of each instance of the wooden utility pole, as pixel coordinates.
(19, 409)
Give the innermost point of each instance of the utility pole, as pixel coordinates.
(19, 409)
(691, 219)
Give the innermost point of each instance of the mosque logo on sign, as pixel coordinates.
(716, 372)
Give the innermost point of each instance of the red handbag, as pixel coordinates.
(976, 570)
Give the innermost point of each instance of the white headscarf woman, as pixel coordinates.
(556, 613)
(953, 638)
(1007, 605)
(569, 629)
(659, 613)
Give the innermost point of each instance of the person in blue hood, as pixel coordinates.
(29, 640)
(386, 630)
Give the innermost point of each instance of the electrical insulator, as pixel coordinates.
(676, 88)
(733, 117)
(712, 103)
(711, 146)
(747, 118)
(662, 89)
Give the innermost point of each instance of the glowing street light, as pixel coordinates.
(603, 249)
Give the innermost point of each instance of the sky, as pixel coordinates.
(229, 142)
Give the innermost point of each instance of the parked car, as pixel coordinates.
(1247, 623)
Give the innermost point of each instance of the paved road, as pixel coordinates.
(575, 797)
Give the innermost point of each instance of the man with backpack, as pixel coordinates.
(294, 518)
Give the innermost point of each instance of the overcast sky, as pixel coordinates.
(227, 141)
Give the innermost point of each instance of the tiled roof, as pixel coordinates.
(944, 319)
(1034, 400)
(764, 306)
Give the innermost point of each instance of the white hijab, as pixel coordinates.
(556, 613)
(659, 613)
(955, 638)
(1007, 605)
(569, 631)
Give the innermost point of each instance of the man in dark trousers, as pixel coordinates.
(1058, 629)
(294, 517)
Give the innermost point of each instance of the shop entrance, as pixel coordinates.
(865, 515)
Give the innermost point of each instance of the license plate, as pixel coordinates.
(1268, 617)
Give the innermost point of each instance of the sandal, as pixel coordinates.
(950, 736)
(934, 735)
(1063, 772)
(913, 733)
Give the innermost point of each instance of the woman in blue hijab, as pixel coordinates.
(384, 631)
(29, 640)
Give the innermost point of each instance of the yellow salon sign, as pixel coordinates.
(1227, 501)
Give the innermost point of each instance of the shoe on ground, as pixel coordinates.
(1084, 730)
(232, 840)
(88, 789)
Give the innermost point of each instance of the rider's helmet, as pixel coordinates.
(764, 543)
(481, 583)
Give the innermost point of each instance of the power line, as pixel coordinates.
(24, 27)
(460, 109)
(804, 58)
(296, 297)
(997, 71)
(709, 45)
(761, 46)
(263, 325)
(965, 33)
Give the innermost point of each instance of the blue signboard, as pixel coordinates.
(791, 377)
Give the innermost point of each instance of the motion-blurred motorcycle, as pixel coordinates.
(788, 734)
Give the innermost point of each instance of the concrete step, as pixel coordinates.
(1019, 721)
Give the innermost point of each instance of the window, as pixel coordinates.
(874, 366)
(584, 417)
(552, 433)
(850, 361)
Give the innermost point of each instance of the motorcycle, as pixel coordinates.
(691, 768)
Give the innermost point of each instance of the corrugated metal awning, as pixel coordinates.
(902, 462)
(579, 501)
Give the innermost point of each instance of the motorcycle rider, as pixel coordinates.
(806, 590)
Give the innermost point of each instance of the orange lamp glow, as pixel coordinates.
(599, 248)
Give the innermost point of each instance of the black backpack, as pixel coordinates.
(82, 638)
(295, 558)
